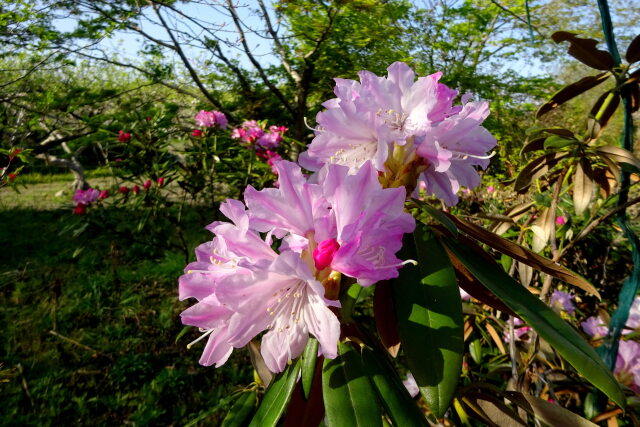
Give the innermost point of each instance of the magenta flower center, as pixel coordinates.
(324, 252)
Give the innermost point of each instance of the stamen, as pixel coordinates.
(199, 338)
(466, 155)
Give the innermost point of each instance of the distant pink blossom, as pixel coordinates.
(491, 189)
(561, 220)
(251, 132)
(86, 197)
(210, 119)
(136, 189)
(197, 133)
(147, 184)
(161, 181)
(123, 190)
(520, 331)
(562, 301)
(124, 136)
(80, 209)
(244, 287)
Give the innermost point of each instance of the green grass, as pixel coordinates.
(112, 357)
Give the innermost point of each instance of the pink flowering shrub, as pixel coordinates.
(209, 119)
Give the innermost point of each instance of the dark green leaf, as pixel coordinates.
(430, 322)
(438, 216)
(385, 317)
(633, 51)
(585, 51)
(277, 397)
(309, 358)
(556, 141)
(395, 398)
(559, 334)
(546, 412)
(571, 91)
(535, 169)
(241, 410)
(348, 396)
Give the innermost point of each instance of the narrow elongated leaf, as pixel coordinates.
(438, 215)
(306, 410)
(492, 410)
(633, 51)
(524, 255)
(349, 398)
(258, 363)
(571, 91)
(582, 187)
(556, 141)
(620, 155)
(559, 334)
(277, 397)
(241, 410)
(585, 51)
(537, 168)
(533, 145)
(430, 322)
(542, 229)
(309, 359)
(549, 413)
(385, 316)
(395, 398)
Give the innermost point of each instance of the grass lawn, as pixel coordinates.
(92, 339)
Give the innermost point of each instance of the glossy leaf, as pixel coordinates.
(241, 410)
(582, 186)
(533, 145)
(571, 91)
(306, 410)
(349, 398)
(385, 317)
(559, 334)
(492, 410)
(524, 255)
(556, 141)
(277, 397)
(537, 168)
(308, 367)
(633, 51)
(585, 51)
(395, 398)
(438, 215)
(620, 155)
(430, 322)
(549, 413)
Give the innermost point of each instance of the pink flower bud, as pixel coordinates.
(147, 184)
(490, 189)
(197, 133)
(324, 252)
(560, 220)
(124, 190)
(160, 181)
(136, 189)
(103, 194)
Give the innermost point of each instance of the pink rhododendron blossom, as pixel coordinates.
(210, 119)
(136, 189)
(368, 119)
(627, 369)
(251, 132)
(124, 190)
(520, 331)
(86, 197)
(560, 220)
(595, 327)
(562, 301)
(244, 286)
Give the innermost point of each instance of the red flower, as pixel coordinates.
(160, 181)
(147, 184)
(12, 176)
(124, 136)
(136, 189)
(124, 190)
(80, 209)
(103, 194)
(197, 133)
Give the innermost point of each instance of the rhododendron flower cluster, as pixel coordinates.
(252, 133)
(330, 225)
(409, 129)
(210, 119)
(562, 301)
(124, 136)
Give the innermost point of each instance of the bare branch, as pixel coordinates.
(278, 45)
